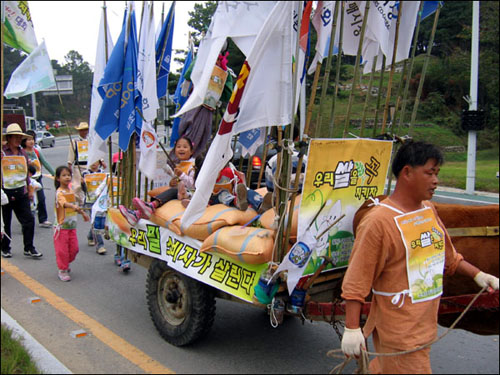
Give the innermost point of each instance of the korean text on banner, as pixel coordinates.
(344, 173)
(17, 26)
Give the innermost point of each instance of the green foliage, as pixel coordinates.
(200, 19)
(15, 358)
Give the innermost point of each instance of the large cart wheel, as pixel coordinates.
(182, 309)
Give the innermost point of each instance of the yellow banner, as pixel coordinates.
(182, 254)
(341, 175)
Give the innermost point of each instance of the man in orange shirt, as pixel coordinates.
(400, 254)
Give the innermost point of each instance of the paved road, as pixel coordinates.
(111, 307)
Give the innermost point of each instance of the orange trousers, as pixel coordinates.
(414, 363)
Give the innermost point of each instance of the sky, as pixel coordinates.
(74, 25)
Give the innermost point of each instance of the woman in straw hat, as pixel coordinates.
(15, 183)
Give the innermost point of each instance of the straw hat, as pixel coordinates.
(14, 129)
(82, 126)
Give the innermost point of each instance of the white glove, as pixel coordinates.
(352, 342)
(484, 279)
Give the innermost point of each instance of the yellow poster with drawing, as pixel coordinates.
(424, 242)
(92, 181)
(83, 151)
(215, 87)
(341, 174)
(14, 171)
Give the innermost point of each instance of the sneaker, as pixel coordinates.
(125, 266)
(267, 203)
(241, 197)
(130, 215)
(146, 209)
(6, 253)
(101, 250)
(33, 253)
(118, 260)
(63, 275)
(91, 241)
(46, 224)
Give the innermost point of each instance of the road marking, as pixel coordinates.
(108, 337)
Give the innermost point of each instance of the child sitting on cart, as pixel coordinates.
(184, 175)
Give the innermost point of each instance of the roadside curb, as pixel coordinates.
(45, 360)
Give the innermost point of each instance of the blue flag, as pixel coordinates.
(164, 52)
(129, 121)
(118, 87)
(110, 88)
(430, 7)
(180, 99)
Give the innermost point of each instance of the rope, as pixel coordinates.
(364, 358)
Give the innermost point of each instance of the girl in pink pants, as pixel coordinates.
(66, 209)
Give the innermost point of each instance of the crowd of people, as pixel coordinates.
(23, 194)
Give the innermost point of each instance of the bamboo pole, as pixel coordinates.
(367, 99)
(326, 77)
(393, 68)
(264, 158)
(399, 96)
(410, 70)
(424, 70)
(312, 98)
(337, 67)
(356, 69)
(379, 95)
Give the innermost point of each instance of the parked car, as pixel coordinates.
(57, 124)
(45, 139)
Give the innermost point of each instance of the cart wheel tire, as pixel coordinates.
(182, 309)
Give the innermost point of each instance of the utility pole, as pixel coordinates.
(474, 73)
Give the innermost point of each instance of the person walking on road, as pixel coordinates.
(16, 185)
(65, 239)
(400, 253)
(37, 159)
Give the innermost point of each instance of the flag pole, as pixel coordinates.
(410, 70)
(337, 73)
(393, 67)
(379, 95)
(399, 96)
(424, 70)
(110, 149)
(326, 77)
(356, 69)
(368, 95)
(287, 157)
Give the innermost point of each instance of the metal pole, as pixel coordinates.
(474, 71)
(337, 72)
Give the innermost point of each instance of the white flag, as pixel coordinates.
(381, 33)
(322, 22)
(146, 84)
(32, 75)
(239, 20)
(148, 146)
(146, 65)
(97, 146)
(262, 97)
(101, 203)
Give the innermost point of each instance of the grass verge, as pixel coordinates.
(454, 171)
(14, 357)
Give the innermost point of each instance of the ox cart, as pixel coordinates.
(222, 256)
